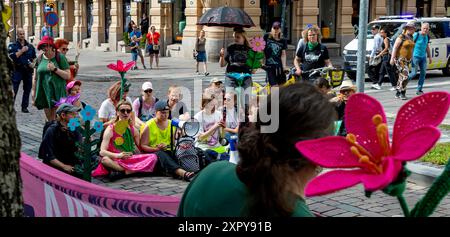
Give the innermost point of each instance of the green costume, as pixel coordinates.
(49, 86)
(218, 192)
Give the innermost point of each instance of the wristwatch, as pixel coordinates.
(56, 69)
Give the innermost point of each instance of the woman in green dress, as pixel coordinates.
(271, 175)
(49, 78)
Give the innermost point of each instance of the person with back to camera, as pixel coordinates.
(271, 175)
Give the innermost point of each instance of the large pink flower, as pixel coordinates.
(366, 154)
(120, 67)
(258, 44)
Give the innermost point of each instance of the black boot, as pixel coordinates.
(403, 95)
(397, 94)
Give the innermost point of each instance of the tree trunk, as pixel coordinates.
(10, 181)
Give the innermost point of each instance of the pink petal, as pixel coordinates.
(359, 111)
(329, 152)
(416, 144)
(333, 181)
(428, 109)
(391, 168)
(128, 66)
(120, 65)
(112, 66)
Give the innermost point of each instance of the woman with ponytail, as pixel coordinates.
(271, 175)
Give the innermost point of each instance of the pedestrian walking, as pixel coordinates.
(22, 55)
(153, 46)
(420, 55)
(402, 54)
(385, 55)
(275, 56)
(136, 37)
(46, 30)
(49, 80)
(271, 176)
(375, 58)
(200, 52)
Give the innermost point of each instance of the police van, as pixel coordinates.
(439, 38)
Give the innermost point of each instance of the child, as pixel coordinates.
(134, 46)
(345, 91)
(73, 89)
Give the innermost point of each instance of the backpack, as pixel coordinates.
(417, 37)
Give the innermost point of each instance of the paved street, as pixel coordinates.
(97, 78)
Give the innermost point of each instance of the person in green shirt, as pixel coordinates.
(49, 78)
(271, 175)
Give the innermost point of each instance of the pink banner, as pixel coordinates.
(51, 193)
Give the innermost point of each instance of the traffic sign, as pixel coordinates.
(51, 18)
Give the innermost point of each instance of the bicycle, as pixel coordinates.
(334, 76)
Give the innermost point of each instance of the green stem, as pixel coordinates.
(122, 75)
(404, 205)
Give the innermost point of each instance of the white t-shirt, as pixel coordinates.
(232, 118)
(206, 122)
(107, 109)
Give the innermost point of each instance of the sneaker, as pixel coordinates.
(199, 73)
(135, 68)
(25, 110)
(403, 96)
(376, 87)
(397, 95)
(145, 67)
(206, 74)
(419, 92)
(393, 88)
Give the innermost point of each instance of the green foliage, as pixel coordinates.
(444, 127)
(254, 59)
(86, 152)
(126, 38)
(439, 155)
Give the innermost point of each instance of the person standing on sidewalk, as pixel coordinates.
(153, 46)
(401, 57)
(136, 37)
(22, 55)
(46, 30)
(200, 51)
(144, 24)
(420, 54)
(275, 56)
(385, 54)
(374, 69)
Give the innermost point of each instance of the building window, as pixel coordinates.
(275, 10)
(126, 14)
(327, 19)
(423, 8)
(398, 7)
(90, 17)
(447, 7)
(355, 15)
(33, 16)
(107, 19)
(178, 20)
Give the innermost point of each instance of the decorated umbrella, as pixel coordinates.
(226, 17)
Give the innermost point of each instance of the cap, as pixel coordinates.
(215, 79)
(147, 85)
(71, 84)
(67, 108)
(276, 24)
(161, 105)
(346, 85)
(410, 24)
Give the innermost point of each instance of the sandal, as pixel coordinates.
(188, 176)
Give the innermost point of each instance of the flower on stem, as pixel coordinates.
(257, 44)
(98, 126)
(88, 113)
(73, 124)
(366, 155)
(120, 67)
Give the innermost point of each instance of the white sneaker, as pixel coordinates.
(392, 89)
(376, 87)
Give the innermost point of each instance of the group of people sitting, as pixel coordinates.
(138, 136)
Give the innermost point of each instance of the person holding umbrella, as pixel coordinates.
(236, 57)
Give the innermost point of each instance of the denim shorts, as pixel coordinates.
(134, 56)
(201, 56)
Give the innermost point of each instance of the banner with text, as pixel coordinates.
(48, 192)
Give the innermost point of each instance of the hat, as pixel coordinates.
(147, 85)
(67, 108)
(215, 79)
(347, 85)
(410, 24)
(276, 24)
(161, 105)
(71, 84)
(46, 40)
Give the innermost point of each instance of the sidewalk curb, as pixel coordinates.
(422, 174)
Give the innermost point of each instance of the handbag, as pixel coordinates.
(155, 46)
(375, 61)
(194, 54)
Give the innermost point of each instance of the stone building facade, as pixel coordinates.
(101, 23)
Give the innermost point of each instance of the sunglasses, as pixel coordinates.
(123, 111)
(148, 91)
(65, 49)
(346, 92)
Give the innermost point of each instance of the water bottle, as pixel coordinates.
(234, 155)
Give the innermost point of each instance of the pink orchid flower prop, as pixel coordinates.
(257, 44)
(366, 155)
(120, 67)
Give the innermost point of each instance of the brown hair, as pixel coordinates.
(114, 92)
(123, 102)
(316, 30)
(61, 42)
(243, 34)
(269, 162)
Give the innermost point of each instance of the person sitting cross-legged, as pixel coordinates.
(58, 145)
(156, 138)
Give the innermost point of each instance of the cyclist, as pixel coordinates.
(311, 55)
